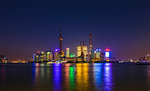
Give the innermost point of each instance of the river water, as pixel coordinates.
(74, 77)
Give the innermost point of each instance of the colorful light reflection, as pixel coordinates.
(76, 77)
(57, 76)
(108, 76)
(103, 76)
(72, 81)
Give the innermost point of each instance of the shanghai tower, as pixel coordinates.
(60, 43)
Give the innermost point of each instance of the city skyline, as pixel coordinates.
(29, 27)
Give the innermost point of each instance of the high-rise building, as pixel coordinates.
(81, 49)
(49, 56)
(107, 54)
(34, 57)
(90, 44)
(56, 55)
(67, 52)
(98, 52)
(147, 57)
(42, 56)
(61, 53)
(38, 56)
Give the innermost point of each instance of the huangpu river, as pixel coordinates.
(74, 77)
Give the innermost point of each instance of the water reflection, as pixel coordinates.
(148, 72)
(79, 72)
(82, 76)
(98, 76)
(73, 76)
(35, 74)
(85, 75)
(108, 77)
(2, 72)
(57, 77)
(66, 76)
(103, 76)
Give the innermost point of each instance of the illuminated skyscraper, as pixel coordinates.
(61, 53)
(107, 54)
(81, 49)
(56, 55)
(38, 56)
(90, 57)
(49, 55)
(67, 52)
(42, 56)
(98, 52)
(90, 44)
(34, 57)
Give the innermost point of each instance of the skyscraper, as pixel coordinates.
(49, 55)
(67, 52)
(107, 54)
(61, 53)
(82, 50)
(90, 44)
(90, 47)
(98, 52)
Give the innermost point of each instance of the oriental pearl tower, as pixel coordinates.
(61, 53)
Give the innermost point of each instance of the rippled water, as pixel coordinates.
(74, 77)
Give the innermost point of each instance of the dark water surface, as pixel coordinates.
(74, 77)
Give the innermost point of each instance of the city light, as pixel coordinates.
(107, 49)
(71, 55)
(67, 49)
(67, 52)
(48, 53)
(107, 54)
(56, 50)
(83, 53)
(98, 50)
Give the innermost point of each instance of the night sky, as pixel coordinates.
(27, 26)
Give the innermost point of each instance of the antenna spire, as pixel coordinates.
(60, 30)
